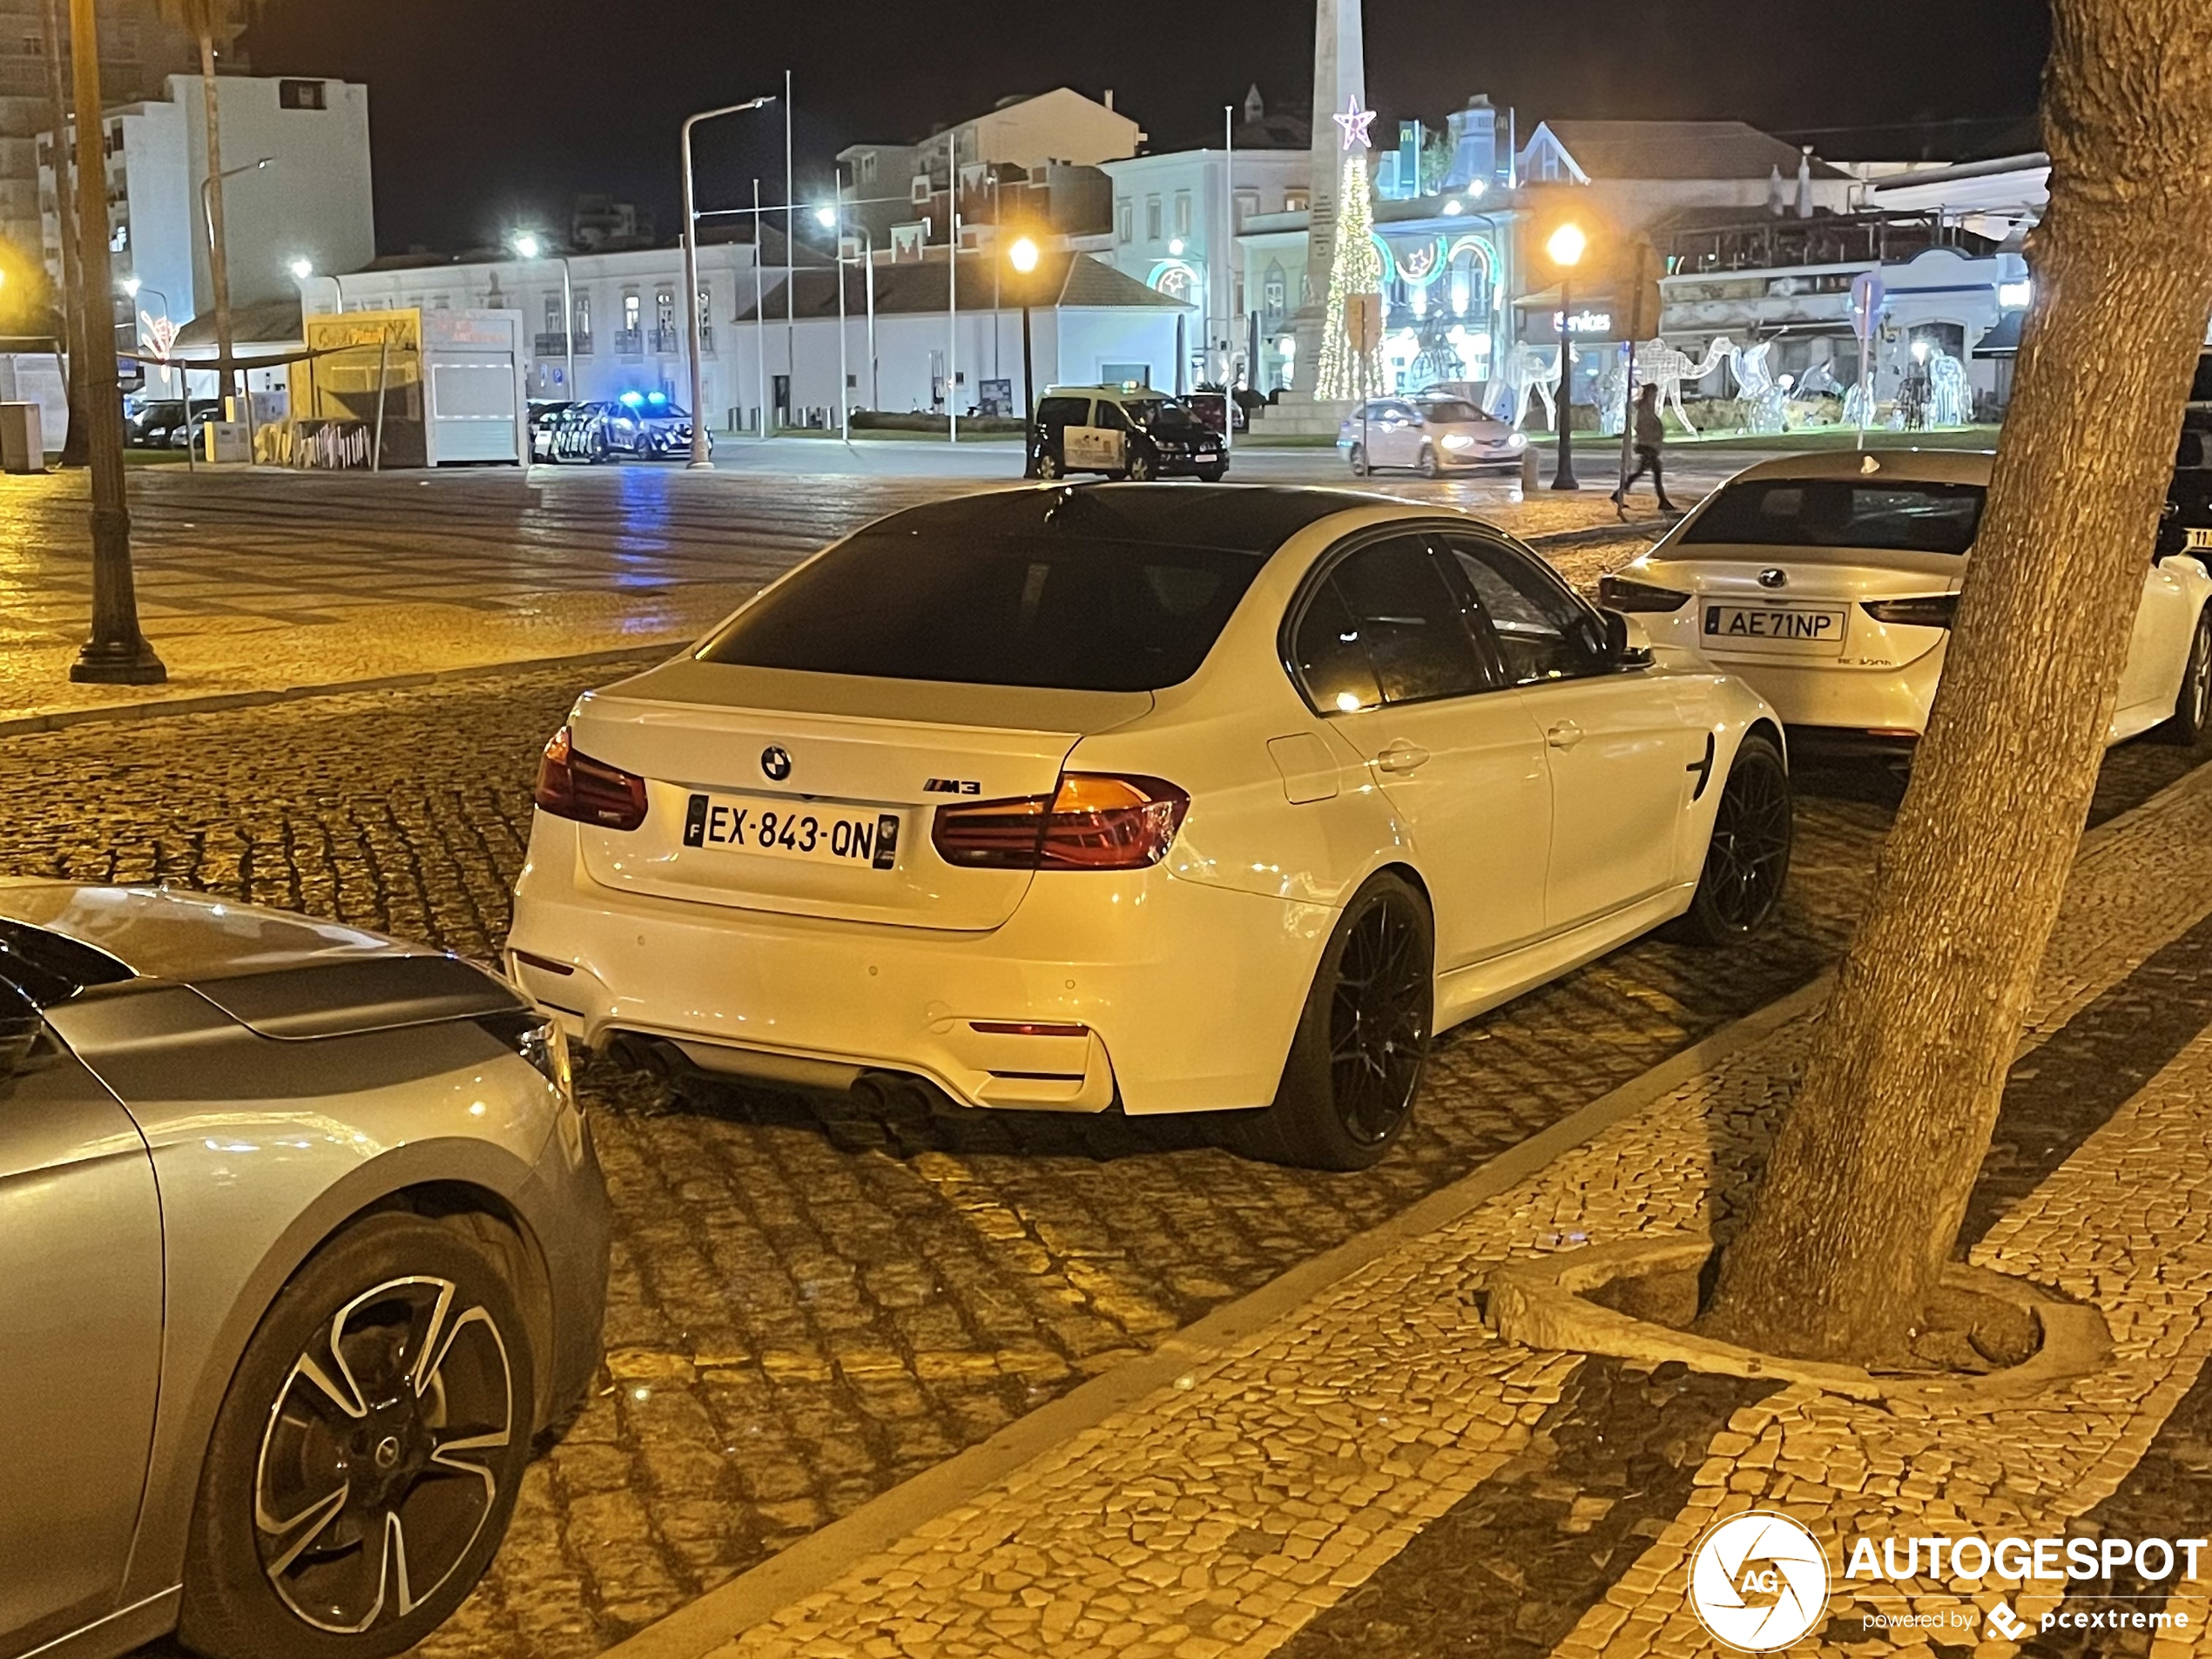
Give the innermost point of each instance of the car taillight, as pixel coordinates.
(1932, 610)
(1623, 594)
(570, 785)
(1092, 821)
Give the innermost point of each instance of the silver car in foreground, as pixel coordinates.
(302, 1240)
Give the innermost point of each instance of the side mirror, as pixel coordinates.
(1619, 650)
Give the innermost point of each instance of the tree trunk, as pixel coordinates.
(77, 442)
(219, 270)
(1862, 1198)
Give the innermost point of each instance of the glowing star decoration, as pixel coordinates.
(1355, 122)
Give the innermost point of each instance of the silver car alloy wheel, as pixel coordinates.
(368, 1491)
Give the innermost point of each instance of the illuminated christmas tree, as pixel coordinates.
(1355, 274)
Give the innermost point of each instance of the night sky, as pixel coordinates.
(489, 114)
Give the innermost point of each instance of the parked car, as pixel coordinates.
(1431, 434)
(304, 1239)
(1829, 581)
(1136, 435)
(1151, 797)
(638, 426)
(544, 421)
(159, 424)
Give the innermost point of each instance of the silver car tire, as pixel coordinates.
(2193, 706)
(368, 1452)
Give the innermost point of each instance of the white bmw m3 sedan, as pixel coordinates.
(1147, 799)
(1829, 581)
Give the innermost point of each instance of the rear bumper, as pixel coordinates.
(1820, 692)
(1188, 994)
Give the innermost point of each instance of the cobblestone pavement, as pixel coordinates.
(813, 1302)
(1378, 1474)
(266, 580)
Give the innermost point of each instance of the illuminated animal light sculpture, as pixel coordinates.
(1525, 368)
(1950, 402)
(1759, 394)
(1662, 365)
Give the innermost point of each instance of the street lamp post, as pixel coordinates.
(832, 219)
(1023, 258)
(702, 449)
(530, 248)
(1566, 249)
(117, 653)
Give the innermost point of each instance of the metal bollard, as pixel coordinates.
(1532, 476)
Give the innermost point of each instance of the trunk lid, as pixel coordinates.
(1836, 581)
(834, 758)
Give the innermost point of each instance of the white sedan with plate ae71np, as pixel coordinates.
(1142, 797)
(1829, 581)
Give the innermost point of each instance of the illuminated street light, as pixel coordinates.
(1175, 247)
(826, 216)
(531, 245)
(1567, 245)
(1022, 256)
(129, 285)
(302, 268)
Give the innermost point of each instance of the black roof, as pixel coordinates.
(1234, 518)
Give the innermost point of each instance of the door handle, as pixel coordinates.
(1565, 735)
(1402, 757)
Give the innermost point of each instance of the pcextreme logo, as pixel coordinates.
(1758, 1581)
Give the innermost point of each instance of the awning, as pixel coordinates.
(2003, 340)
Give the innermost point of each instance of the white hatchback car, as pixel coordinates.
(1829, 582)
(1432, 434)
(1143, 798)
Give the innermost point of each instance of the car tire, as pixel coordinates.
(1049, 468)
(1141, 469)
(1747, 861)
(434, 1457)
(2193, 707)
(1212, 474)
(1431, 468)
(1360, 467)
(1356, 1058)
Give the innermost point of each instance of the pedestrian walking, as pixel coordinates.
(1651, 433)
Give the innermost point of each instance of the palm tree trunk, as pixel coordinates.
(76, 443)
(1863, 1198)
(219, 274)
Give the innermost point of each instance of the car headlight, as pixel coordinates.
(1630, 596)
(1458, 441)
(1519, 441)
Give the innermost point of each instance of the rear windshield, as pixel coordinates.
(1843, 512)
(1075, 614)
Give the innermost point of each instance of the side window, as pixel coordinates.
(1063, 411)
(1542, 633)
(1332, 658)
(1398, 603)
(1112, 417)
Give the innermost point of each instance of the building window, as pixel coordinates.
(1152, 219)
(300, 95)
(1124, 221)
(664, 309)
(1275, 294)
(868, 169)
(1247, 206)
(584, 315)
(1183, 213)
(552, 314)
(633, 314)
(1297, 202)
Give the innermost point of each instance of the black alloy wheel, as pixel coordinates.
(1747, 861)
(1355, 1059)
(368, 1453)
(1048, 466)
(1141, 469)
(2193, 706)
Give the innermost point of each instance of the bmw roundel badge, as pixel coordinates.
(776, 763)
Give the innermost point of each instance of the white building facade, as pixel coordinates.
(311, 201)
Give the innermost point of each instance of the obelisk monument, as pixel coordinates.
(1339, 81)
